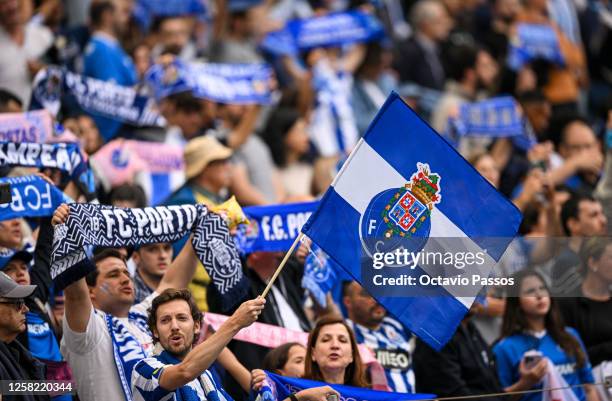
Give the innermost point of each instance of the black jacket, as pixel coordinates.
(413, 66)
(593, 321)
(16, 363)
(463, 367)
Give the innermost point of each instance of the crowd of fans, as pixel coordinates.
(438, 55)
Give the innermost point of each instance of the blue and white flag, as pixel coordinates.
(405, 215)
(32, 197)
(320, 275)
(272, 228)
(335, 29)
(107, 226)
(280, 387)
(533, 41)
(499, 117)
(55, 86)
(223, 83)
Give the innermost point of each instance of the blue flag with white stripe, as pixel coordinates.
(320, 275)
(404, 195)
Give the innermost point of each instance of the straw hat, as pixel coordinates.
(202, 150)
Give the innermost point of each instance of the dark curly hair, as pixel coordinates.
(166, 296)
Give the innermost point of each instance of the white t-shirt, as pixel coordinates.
(90, 354)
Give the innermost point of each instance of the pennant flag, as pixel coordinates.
(107, 226)
(280, 387)
(224, 83)
(272, 228)
(320, 275)
(335, 29)
(34, 126)
(54, 86)
(533, 41)
(32, 197)
(157, 167)
(405, 215)
(498, 117)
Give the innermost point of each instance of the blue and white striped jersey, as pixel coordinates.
(393, 345)
(146, 387)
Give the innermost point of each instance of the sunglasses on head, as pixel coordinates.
(17, 303)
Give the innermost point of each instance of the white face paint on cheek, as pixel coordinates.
(105, 288)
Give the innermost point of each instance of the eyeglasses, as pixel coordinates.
(18, 304)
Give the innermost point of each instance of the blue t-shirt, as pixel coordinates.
(106, 60)
(509, 352)
(41, 340)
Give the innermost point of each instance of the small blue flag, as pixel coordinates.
(533, 41)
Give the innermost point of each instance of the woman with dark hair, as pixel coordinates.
(286, 136)
(332, 355)
(532, 333)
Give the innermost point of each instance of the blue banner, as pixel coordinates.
(398, 199)
(223, 83)
(335, 29)
(499, 117)
(32, 197)
(55, 86)
(280, 387)
(66, 157)
(272, 228)
(533, 41)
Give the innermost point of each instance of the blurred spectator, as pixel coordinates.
(373, 84)
(581, 216)
(464, 366)
(392, 343)
(152, 261)
(582, 158)
(174, 36)
(22, 46)
(104, 58)
(11, 234)
(287, 138)
(187, 116)
(128, 195)
(563, 83)
(10, 103)
(432, 25)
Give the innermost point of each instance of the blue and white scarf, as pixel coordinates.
(498, 117)
(533, 41)
(55, 86)
(32, 197)
(224, 83)
(127, 350)
(66, 157)
(108, 226)
(335, 29)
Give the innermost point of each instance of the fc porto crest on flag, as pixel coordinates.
(400, 217)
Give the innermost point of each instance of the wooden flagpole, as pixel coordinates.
(281, 265)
